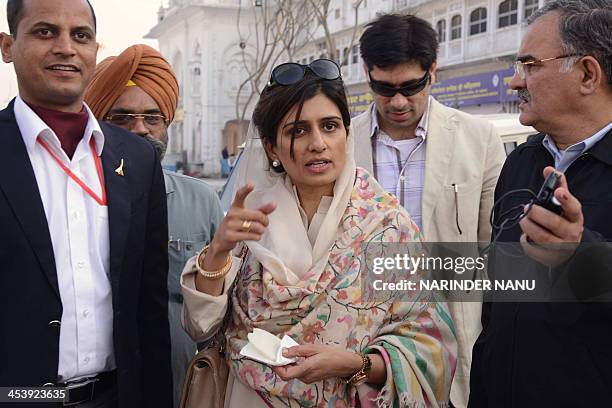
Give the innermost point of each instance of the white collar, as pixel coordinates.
(32, 126)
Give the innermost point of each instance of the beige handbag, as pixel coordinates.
(206, 380)
(207, 374)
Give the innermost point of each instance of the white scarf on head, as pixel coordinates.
(284, 249)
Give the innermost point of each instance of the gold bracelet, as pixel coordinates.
(213, 274)
(360, 376)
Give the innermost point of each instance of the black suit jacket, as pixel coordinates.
(538, 355)
(29, 294)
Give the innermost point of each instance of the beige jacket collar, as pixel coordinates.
(440, 137)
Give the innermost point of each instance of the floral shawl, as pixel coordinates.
(415, 338)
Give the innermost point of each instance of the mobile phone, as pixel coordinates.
(546, 196)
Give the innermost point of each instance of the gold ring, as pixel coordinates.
(246, 225)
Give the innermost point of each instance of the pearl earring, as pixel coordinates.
(275, 163)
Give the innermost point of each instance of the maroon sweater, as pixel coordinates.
(69, 127)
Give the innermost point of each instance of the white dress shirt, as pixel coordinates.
(78, 226)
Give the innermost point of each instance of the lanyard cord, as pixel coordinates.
(100, 200)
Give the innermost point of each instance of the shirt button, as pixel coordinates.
(86, 360)
(85, 313)
(80, 265)
(75, 215)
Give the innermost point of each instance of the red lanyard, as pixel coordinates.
(101, 200)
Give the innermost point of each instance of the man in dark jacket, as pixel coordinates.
(83, 222)
(556, 354)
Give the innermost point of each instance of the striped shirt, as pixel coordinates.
(399, 165)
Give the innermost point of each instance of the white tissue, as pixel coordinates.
(265, 343)
(251, 352)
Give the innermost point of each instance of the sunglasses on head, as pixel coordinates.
(291, 73)
(408, 88)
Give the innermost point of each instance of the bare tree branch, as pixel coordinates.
(356, 5)
(282, 29)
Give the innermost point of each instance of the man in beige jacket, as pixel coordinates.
(441, 163)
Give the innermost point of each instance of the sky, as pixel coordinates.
(121, 23)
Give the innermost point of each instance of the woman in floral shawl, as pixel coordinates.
(305, 212)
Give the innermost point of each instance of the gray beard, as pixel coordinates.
(158, 145)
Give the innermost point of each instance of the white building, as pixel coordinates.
(478, 44)
(199, 38)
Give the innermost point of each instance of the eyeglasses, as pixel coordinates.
(291, 73)
(128, 119)
(521, 71)
(408, 88)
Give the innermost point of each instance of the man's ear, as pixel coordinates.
(6, 45)
(432, 73)
(591, 76)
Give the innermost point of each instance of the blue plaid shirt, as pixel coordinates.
(399, 165)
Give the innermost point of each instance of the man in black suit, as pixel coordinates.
(83, 248)
(557, 354)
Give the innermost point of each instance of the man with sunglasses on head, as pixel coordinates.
(138, 91)
(442, 164)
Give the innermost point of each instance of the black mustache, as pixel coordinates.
(524, 94)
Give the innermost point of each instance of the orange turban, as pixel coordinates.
(142, 65)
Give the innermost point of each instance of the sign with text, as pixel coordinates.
(359, 102)
(488, 87)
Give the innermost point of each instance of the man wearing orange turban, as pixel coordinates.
(138, 91)
(140, 65)
(140, 73)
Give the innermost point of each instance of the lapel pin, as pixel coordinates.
(119, 170)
